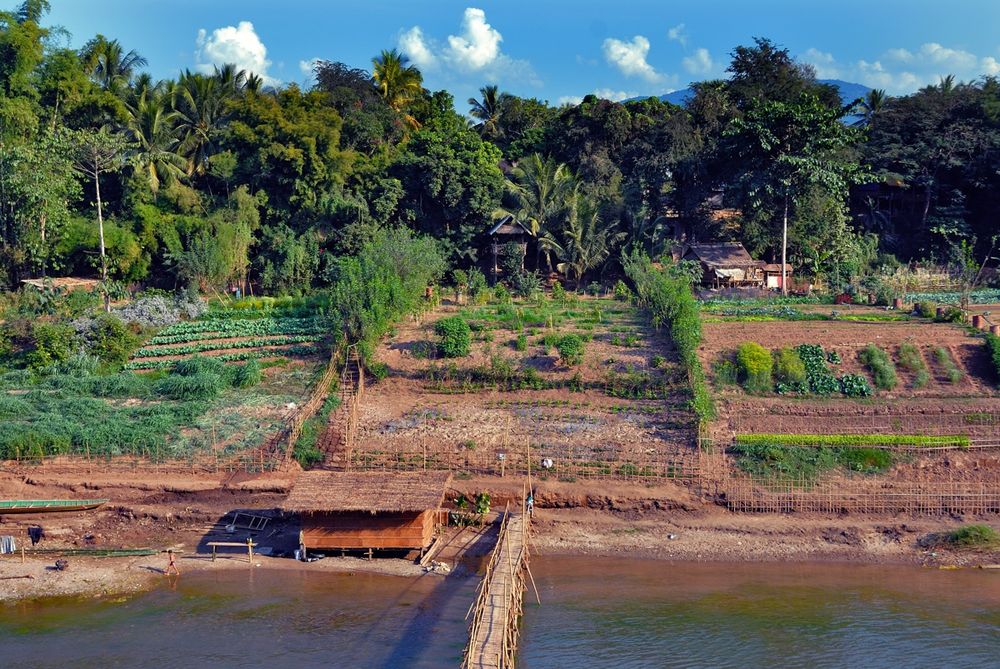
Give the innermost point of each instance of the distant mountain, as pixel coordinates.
(849, 92)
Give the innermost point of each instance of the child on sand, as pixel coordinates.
(171, 564)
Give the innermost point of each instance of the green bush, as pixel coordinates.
(726, 372)
(926, 309)
(789, 368)
(622, 291)
(951, 315)
(657, 361)
(456, 337)
(973, 536)
(521, 343)
(558, 292)
(880, 365)
(755, 366)
(378, 369)
(570, 349)
(53, 342)
(111, 340)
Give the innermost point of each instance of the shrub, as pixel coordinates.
(755, 366)
(973, 536)
(521, 343)
(456, 337)
(789, 368)
(53, 342)
(657, 361)
(622, 291)
(526, 284)
(110, 340)
(950, 315)
(558, 292)
(199, 386)
(926, 309)
(882, 368)
(379, 370)
(477, 281)
(594, 288)
(570, 349)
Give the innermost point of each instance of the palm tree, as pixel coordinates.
(109, 64)
(151, 128)
(397, 81)
(542, 187)
(586, 241)
(488, 111)
(200, 104)
(871, 106)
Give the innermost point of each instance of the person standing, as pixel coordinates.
(530, 504)
(171, 564)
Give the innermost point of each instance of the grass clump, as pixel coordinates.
(456, 337)
(911, 360)
(944, 359)
(880, 365)
(755, 366)
(973, 536)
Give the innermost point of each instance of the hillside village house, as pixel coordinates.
(726, 265)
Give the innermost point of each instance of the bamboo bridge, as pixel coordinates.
(496, 613)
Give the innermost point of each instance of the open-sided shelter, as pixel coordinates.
(367, 510)
(726, 265)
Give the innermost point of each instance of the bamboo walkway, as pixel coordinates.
(496, 613)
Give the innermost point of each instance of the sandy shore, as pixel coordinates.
(600, 519)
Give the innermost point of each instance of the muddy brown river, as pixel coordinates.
(616, 613)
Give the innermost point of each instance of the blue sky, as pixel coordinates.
(556, 50)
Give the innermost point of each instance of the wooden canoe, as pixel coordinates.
(48, 505)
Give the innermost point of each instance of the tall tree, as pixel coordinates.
(870, 106)
(782, 151)
(586, 241)
(488, 111)
(151, 129)
(109, 64)
(397, 81)
(542, 188)
(99, 152)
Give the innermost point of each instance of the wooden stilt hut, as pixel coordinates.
(367, 510)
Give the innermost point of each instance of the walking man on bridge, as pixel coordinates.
(530, 504)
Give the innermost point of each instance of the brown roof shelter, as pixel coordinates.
(67, 283)
(726, 264)
(367, 510)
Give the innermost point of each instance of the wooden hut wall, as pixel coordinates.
(353, 530)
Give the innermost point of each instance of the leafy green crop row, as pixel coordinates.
(221, 345)
(216, 329)
(884, 440)
(291, 351)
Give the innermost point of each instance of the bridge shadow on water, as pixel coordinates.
(442, 611)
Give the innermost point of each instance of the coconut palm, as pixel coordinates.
(397, 81)
(542, 188)
(200, 105)
(151, 128)
(586, 241)
(489, 111)
(871, 106)
(109, 64)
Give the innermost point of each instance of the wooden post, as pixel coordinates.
(22, 554)
(213, 552)
(250, 551)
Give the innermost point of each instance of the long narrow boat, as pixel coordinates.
(48, 505)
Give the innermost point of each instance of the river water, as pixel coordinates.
(595, 613)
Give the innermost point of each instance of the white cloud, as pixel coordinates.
(941, 55)
(989, 65)
(678, 34)
(475, 51)
(308, 67)
(875, 75)
(630, 58)
(825, 63)
(902, 55)
(698, 63)
(613, 95)
(415, 46)
(477, 46)
(569, 100)
(238, 45)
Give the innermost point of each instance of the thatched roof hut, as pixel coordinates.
(367, 510)
(726, 264)
(374, 492)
